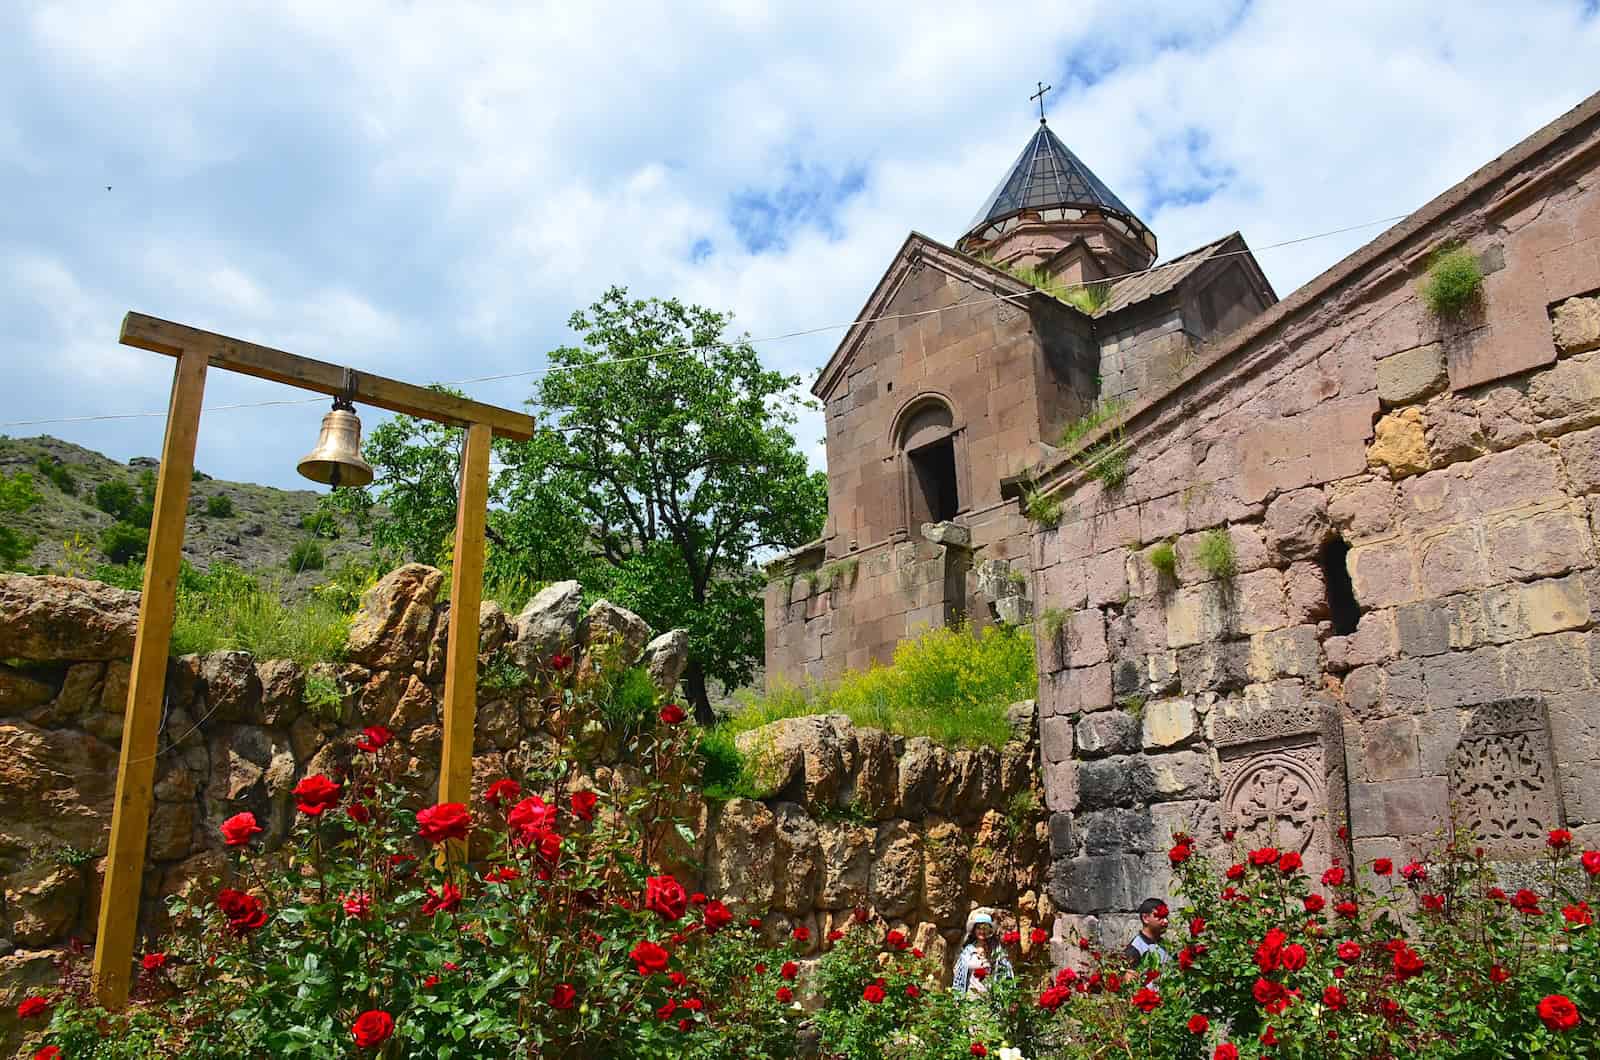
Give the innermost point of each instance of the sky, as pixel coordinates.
(428, 191)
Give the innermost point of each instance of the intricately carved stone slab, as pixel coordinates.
(1502, 779)
(1273, 711)
(1278, 798)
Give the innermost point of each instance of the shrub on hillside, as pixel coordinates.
(219, 506)
(124, 542)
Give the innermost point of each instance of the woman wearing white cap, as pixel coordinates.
(981, 956)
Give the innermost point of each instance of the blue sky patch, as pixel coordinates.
(809, 197)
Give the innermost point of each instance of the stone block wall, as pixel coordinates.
(238, 735)
(1409, 624)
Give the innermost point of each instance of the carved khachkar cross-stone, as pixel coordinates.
(1276, 798)
(1502, 779)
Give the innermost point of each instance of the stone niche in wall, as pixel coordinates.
(1281, 761)
(1503, 783)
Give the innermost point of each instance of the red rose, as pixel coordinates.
(530, 819)
(895, 939)
(1053, 997)
(1186, 957)
(1290, 862)
(1525, 901)
(802, 934)
(835, 935)
(504, 874)
(583, 804)
(1559, 839)
(1346, 908)
(1433, 903)
(315, 794)
(49, 1052)
(1197, 926)
(1038, 937)
(358, 812)
(717, 916)
(1198, 1024)
(1334, 877)
(1578, 915)
(1349, 951)
(563, 996)
(649, 958)
(558, 661)
(1266, 991)
(1559, 1013)
(1498, 974)
(789, 970)
(445, 900)
(873, 994)
(1333, 998)
(672, 714)
(32, 1006)
(1314, 903)
(372, 1028)
(1011, 938)
(1180, 853)
(1226, 1051)
(244, 912)
(1263, 856)
(978, 1049)
(1414, 871)
(1293, 957)
(1146, 1000)
(1269, 1037)
(447, 820)
(374, 737)
(154, 962)
(665, 896)
(980, 974)
(1591, 862)
(785, 995)
(1383, 866)
(237, 830)
(1234, 872)
(357, 905)
(1407, 962)
(430, 982)
(502, 791)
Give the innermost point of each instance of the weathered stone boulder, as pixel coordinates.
(548, 625)
(46, 618)
(846, 858)
(665, 659)
(1298, 525)
(946, 861)
(873, 784)
(42, 903)
(283, 685)
(739, 867)
(23, 972)
(924, 774)
(55, 790)
(803, 756)
(611, 638)
(396, 618)
(19, 691)
(494, 628)
(232, 690)
(895, 883)
(797, 868)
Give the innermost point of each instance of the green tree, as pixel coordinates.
(678, 445)
(17, 495)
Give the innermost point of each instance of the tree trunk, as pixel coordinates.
(694, 684)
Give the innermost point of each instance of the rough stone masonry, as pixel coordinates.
(1383, 610)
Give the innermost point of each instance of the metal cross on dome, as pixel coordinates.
(1039, 95)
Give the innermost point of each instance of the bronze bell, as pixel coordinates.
(336, 459)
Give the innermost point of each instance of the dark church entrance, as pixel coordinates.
(933, 491)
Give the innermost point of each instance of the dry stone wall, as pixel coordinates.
(1382, 611)
(941, 830)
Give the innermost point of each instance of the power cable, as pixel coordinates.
(702, 347)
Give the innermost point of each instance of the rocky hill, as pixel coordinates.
(262, 527)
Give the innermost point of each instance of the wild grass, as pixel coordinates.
(1043, 508)
(219, 506)
(1164, 558)
(1106, 459)
(950, 685)
(1088, 298)
(1454, 283)
(1215, 554)
(227, 609)
(307, 555)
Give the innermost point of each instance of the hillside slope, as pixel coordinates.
(265, 525)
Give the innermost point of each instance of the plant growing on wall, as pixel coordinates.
(1106, 459)
(1454, 283)
(1164, 558)
(1215, 554)
(1043, 508)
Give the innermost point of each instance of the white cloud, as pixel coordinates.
(430, 189)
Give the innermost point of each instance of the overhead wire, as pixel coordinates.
(706, 347)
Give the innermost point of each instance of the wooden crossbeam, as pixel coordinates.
(264, 362)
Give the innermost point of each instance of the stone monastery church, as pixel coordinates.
(1292, 566)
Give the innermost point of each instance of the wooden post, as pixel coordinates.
(130, 814)
(466, 592)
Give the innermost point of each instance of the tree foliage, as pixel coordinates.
(663, 469)
(17, 495)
